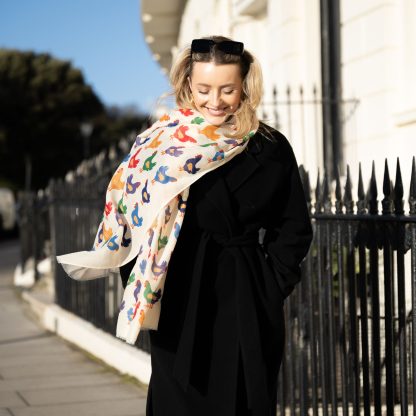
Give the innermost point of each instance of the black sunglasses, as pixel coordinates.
(226, 46)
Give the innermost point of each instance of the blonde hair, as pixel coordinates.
(244, 118)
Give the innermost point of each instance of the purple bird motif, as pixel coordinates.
(173, 123)
(140, 142)
(158, 269)
(125, 242)
(173, 151)
(145, 194)
(119, 219)
(122, 305)
(190, 164)
(168, 214)
(136, 220)
(100, 233)
(143, 265)
(151, 234)
(162, 177)
(131, 187)
(137, 290)
(181, 204)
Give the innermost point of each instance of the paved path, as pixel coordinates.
(42, 374)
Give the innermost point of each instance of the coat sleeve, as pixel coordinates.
(288, 235)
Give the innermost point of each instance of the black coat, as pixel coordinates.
(220, 353)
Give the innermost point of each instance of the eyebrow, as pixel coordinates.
(222, 86)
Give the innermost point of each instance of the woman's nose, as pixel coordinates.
(215, 99)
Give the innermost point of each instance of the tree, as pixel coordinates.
(43, 101)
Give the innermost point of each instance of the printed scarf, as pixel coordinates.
(144, 209)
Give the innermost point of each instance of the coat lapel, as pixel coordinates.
(223, 181)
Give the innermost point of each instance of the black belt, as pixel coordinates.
(255, 368)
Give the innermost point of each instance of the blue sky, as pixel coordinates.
(103, 38)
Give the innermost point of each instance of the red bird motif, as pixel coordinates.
(181, 135)
(108, 208)
(133, 161)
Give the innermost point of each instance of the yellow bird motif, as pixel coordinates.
(116, 182)
(107, 233)
(155, 143)
(209, 131)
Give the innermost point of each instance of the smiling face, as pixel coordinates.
(216, 90)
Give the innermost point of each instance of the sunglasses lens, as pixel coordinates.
(201, 45)
(226, 46)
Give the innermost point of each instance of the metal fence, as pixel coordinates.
(350, 331)
(351, 341)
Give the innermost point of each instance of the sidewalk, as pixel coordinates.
(42, 374)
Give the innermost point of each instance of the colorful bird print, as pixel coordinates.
(108, 208)
(140, 141)
(125, 242)
(177, 229)
(143, 266)
(174, 123)
(197, 120)
(219, 155)
(131, 313)
(131, 279)
(134, 161)
(137, 290)
(158, 269)
(122, 305)
(165, 117)
(149, 295)
(145, 194)
(209, 131)
(116, 182)
(190, 164)
(148, 163)
(162, 177)
(173, 151)
(181, 204)
(107, 233)
(162, 241)
(155, 143)
(141, 317)
(119, 219)
(181, 135)
(112, 245)
(136, 220)
(151, 234)
(186, 111)
(121, 207)
(131, 186)
(168, 213)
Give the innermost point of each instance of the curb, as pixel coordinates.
(113, 351)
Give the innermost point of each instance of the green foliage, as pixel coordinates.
(43, 102)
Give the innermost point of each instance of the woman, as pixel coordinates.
(218, 350)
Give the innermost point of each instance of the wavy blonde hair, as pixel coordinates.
(245, 117)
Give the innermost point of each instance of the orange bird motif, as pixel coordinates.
(155, 143)
(181, 135)
(116, 182)
(165, 117)
(209, 131)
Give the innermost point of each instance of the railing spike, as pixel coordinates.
(412, 191)
(387, 202)
(326, 194)
(338, 194)
(318, 196)
(348, 201)
(398, 191)
(361, 195)
(372, 192)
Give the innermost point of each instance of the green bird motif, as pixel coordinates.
(148, 163)
(121, 208)
(197, 120)
(162, 241)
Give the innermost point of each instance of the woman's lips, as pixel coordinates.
(213, 112)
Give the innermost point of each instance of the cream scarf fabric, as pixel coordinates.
(144, 210)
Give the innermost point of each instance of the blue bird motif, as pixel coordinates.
(140, 142)
(177, 229)
(173, 123)
(111, 244)
(136, 220)
(190, 164)
(181, 204)
(162, 177)
(151, 234)
(143, 265)
(145, 194)
(137, 290)
(218, 156)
